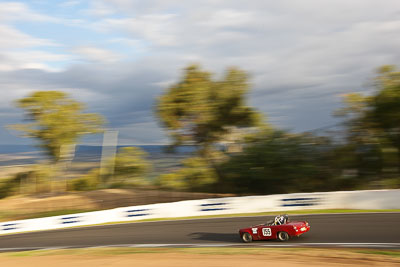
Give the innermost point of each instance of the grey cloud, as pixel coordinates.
(301, 55)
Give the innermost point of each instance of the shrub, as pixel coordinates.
(195, 175)
(90, 181)
(8, 187)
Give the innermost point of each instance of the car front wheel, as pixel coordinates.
(247, 238)
(283, 236)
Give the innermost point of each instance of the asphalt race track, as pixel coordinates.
(380, 230)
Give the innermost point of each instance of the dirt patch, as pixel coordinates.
(199, 258)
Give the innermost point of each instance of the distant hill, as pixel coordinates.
(10, 149)
(27, 154)
(85, 149)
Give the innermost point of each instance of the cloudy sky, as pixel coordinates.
(117, 56)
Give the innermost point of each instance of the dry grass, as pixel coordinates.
(199, 257)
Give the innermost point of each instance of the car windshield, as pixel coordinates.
(270, 222)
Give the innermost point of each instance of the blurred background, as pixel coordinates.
(116, 103)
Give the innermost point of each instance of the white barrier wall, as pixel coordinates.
(369, 199)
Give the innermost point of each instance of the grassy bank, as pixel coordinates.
(203, 251)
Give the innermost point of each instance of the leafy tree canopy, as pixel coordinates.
(375, 119)
(131, 165)
(195, 175)
(201, 111)
(279, 162)
(386, 103)
(56, 121)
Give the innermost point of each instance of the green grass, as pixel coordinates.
(86, 251)
(203, 251)
(57, 213)
(11, 216)
(127, 250)
(392, 253)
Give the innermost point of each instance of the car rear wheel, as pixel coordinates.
(283, 236)
(247, 238)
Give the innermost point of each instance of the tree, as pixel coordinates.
(279, 162)
(374, 121)
(56, 121)
(359, 124)
(201, 111)
(130, 166)
(195, 175)
(385, 105)
(362, 151)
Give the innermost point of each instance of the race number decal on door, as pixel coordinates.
(266, 232)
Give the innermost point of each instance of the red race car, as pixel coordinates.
(280, 228)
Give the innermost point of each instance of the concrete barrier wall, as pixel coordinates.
(369, 199)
